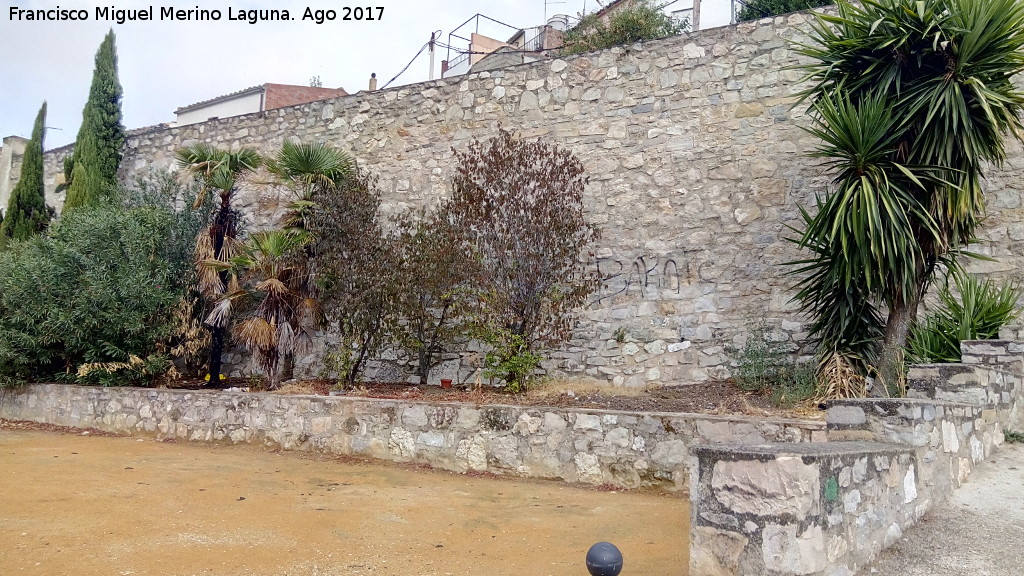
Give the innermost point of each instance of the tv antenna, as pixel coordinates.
(546, 2)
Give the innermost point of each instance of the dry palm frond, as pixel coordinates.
(837, 378)
(220, 314)
(267, 204)
(209, 278)
(258, 333)
(232, 248)
(132, 363)
(191, 336)
(188, 340)
(273, 286)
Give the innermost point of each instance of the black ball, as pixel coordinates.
(604, 559)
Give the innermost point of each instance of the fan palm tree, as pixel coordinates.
(911, 99)
(269, 273)
(218, 172)
(306, 168)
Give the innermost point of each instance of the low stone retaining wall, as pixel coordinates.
(589, 446)
(950, 437)
(802, 509)
(767, 496)
(991, 376)
(828, 509)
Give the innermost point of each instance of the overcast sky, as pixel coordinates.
(164, 65)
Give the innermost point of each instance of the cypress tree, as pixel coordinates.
(26, 210)
(92, 172)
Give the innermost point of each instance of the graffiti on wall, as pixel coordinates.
(646, 276)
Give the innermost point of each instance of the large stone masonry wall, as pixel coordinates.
(696, 160)
(587, 446)
(829, 508)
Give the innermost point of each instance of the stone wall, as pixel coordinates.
(816, 509)
(697, 164)
(12, 153)
(829, 508)
(588, 446)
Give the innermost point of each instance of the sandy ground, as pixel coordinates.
(87, 505)
(978, 532)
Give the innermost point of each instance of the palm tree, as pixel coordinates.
(269, 271)
(218, 172)
(306, 168)
(911, 99)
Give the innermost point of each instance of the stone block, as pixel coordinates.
(588, 468)
(414, 417)
(587, 422)
(781, 486)
(670, 454)
(845, 416)
(786, 552)
(715, 552)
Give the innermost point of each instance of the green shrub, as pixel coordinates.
(765, 365)
(1013, 437)
(101, 287)
(797, 384)
(510, 359)
(756, 9)
(760, 363)
(643, 20)
(971, 309)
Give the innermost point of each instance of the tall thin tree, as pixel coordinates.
(218, 172)
(92, 170)
(26, 210)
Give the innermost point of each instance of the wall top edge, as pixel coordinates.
(895, 402)
(801, 449)
(806, 424)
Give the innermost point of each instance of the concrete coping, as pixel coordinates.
(959, 367)
(895, 402)
(995, 342)
(811, 450)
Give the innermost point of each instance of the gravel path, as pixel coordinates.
(978, 532)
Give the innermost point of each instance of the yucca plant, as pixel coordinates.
(972, 309)
(910, 98)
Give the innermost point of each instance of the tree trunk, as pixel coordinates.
(216, 349)
(424, 354)
(222, 225)
(288, 367)
(890, 360)
(423, 368)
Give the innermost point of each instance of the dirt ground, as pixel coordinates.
(713, 397)
(100, 505)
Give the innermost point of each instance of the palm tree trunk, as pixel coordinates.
(220, 230)
(288, 367)
(216, 349)
(890, 360)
